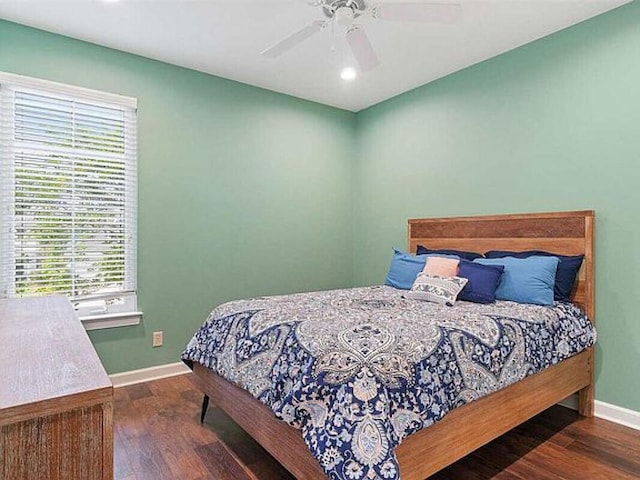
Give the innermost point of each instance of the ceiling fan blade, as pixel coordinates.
(418, 12)
(361, 48)
(294, 39)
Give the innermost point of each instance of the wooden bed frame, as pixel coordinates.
(433, 448)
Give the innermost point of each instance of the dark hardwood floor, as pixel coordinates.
(158, 436)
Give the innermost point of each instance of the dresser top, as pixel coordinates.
(47, 361)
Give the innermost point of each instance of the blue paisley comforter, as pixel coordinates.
(358, 370)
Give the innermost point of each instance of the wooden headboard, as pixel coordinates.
(565, 233)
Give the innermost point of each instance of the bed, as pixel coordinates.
(430, 449)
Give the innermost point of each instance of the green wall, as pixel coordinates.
(242, 191)
(554, 125)
(245, 192)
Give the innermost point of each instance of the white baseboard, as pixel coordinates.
(621, 415)
(607, 411)
(147, 374)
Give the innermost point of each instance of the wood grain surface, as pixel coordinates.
(564, 233)
(46, 354)
(475, 424)
(278, 438)
(159, 437)
(56, 400)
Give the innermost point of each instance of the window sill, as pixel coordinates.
(110, 320)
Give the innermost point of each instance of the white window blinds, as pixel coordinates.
(67, 191)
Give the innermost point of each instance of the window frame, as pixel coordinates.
(94, 311)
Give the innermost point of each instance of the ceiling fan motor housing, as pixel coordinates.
(344, 11)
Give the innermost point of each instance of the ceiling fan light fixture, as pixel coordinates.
(348, 73)
(344, 16)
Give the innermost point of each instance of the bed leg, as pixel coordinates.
(205, 406)
(586, 396)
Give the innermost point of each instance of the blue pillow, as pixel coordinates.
(525, 280)
(565, 275)
(483, 281)
(404, 268)
(458, 253)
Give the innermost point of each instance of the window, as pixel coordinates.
(68, 197)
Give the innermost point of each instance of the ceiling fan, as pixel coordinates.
(345, 13)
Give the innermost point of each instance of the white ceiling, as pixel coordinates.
(225, 38)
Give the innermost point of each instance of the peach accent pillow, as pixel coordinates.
(442, 267)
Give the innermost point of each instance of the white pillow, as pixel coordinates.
(433, 288)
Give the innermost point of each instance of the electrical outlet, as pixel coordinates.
(158, 338)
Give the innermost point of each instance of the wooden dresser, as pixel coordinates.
(56, 400)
